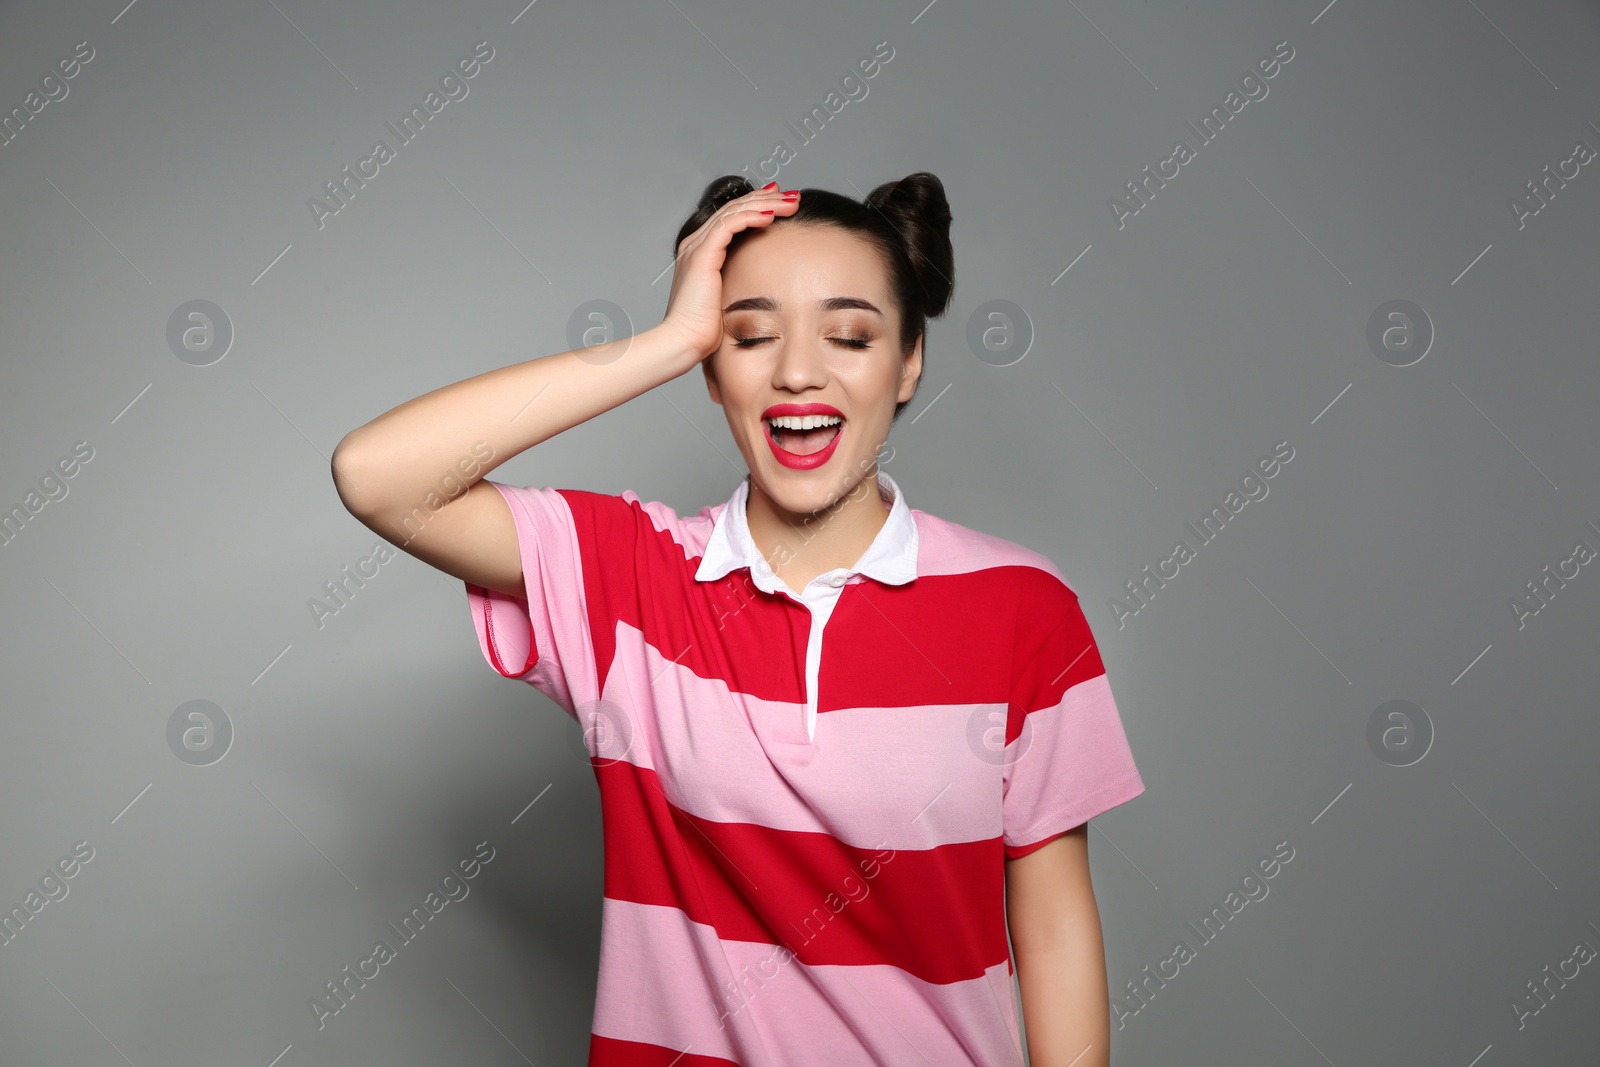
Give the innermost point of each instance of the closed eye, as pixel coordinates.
(848, 342)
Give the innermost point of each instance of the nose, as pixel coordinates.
(800, 364)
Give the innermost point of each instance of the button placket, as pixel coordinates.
(821, 597)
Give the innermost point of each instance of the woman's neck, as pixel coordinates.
(800, 546)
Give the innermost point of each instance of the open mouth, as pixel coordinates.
(804, 435)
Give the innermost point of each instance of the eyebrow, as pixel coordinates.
(832, 303)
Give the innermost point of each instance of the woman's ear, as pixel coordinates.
(910, 372)
(711, 379)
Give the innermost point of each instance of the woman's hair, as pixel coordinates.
(908, 221)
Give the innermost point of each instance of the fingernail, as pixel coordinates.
(769, 185)
(792, 195)
(766, 212)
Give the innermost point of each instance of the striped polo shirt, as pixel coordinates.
(807, 799)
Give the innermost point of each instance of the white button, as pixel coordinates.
(836, 581)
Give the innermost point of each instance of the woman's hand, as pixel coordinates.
(694, 306)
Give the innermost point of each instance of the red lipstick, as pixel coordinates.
(793, 460)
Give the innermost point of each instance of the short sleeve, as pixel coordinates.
(577, 550)
(1067, 755)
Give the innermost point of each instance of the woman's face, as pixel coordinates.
(809, 319)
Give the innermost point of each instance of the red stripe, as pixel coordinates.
(953, 637)
(611, 1052)
(1016, 852)
(1061, 653)
(725, 629)
(949, 638)
(936, 913)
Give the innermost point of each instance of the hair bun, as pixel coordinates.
(917, 207)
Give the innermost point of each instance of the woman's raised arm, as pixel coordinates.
(414, 475)
(394, 472)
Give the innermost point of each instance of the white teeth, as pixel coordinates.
(803, 422)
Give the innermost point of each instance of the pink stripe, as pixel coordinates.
(552, 573)
(919, 784)
(774, 1011)
(1070, 763)
(950, 548)
(691, 533)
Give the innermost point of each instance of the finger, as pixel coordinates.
(725, 223)
(717, 217)
(761, 197)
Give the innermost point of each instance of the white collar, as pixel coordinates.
(891, 558)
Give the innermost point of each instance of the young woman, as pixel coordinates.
(841, 743)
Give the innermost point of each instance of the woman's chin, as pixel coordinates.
(806, 492)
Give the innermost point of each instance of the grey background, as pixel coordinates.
(1230, 314)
